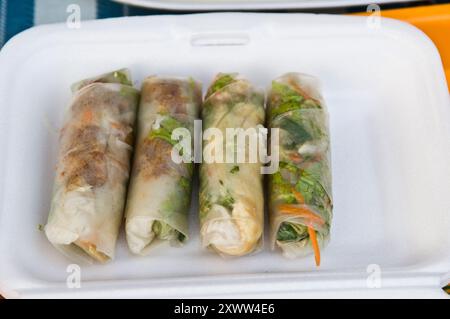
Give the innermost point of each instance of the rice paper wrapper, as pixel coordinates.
(122, 76)
(300, 191)
(160, 188)
(93, 169)
(231, 194)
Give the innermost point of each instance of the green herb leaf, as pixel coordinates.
(122, 77)
(227, 201)
(296, 131)
(162, 134)
(165, 232)
(288, 99)
(291, 232)
(311, 188)
(220, 83)
(184, 183)
(282, 189)
(128, 91)
(170, 123)
(167, 125)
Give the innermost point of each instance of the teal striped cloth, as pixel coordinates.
(18, 15)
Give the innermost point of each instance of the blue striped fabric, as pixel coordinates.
(107, 9)
(18, 15)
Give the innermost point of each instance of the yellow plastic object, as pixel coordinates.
(434, 20)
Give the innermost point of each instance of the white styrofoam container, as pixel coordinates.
(251, 4)
(389, 117)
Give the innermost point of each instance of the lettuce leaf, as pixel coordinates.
(292, 232)
(289, 100)
(222, 81)
(165, 130)
(165, 232)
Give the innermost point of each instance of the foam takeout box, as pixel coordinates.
(389, 118)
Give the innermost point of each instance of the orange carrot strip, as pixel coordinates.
(298, 196)
(87, 116)
(301, 91)
(116, 125)
(315, 245)
(295, 157)
(306, 213)
(302, 212)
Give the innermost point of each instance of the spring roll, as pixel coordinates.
(160, 188)
(231, 193)
(93, 167)
(300, 191)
